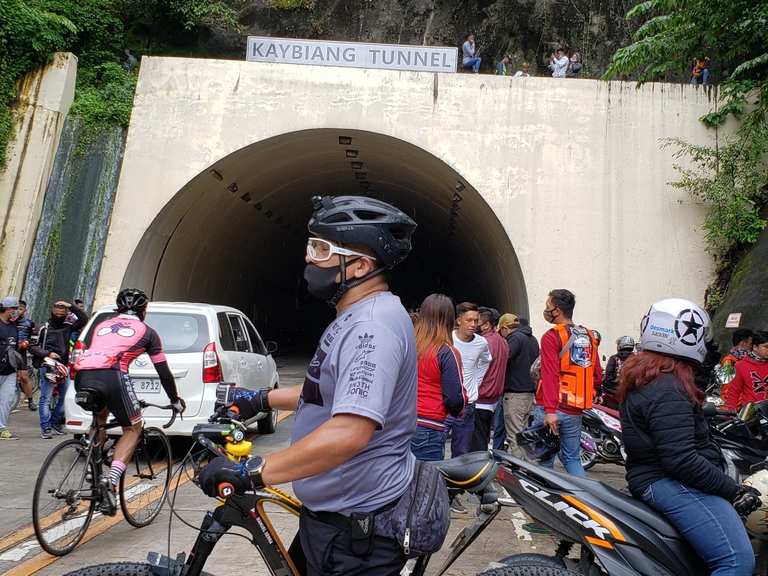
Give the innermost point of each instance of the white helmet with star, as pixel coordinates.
(675, 327)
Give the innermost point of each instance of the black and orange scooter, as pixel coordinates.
(614, 533)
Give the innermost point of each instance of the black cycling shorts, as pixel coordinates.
(115, 390)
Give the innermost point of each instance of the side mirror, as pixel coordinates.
(271, 346)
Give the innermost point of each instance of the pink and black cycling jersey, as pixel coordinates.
(117, 342)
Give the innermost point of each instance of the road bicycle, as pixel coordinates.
(70, 484)
(225, 436)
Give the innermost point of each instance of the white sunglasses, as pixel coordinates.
(321, 250)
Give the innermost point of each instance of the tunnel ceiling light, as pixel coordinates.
(268, 213)
(361, 175)
(459, 186)
(352, 153)
(357, 165)
(457, 198)
(345, 140)
(246, 197)
(216, 174)
(233, 188)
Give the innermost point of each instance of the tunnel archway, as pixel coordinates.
(235, 233)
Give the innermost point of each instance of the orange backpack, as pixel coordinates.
(578, 356)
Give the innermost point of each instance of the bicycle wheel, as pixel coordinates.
(144, 485)
(64, 498)
(118, 569)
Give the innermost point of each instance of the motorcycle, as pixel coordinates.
(601, 439)
(614, 533)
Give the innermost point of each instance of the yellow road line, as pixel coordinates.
(98, 527)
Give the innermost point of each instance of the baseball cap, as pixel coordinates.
(508, 321)
(9, 302)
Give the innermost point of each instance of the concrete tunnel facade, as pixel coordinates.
(518, 186)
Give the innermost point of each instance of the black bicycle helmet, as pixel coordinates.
(538, 442)
(132, 300)
(385, 229)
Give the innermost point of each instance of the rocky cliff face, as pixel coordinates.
(526, 29)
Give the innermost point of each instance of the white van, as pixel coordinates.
(206, 346)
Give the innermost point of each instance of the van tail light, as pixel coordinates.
(211, 365)
(77, 351)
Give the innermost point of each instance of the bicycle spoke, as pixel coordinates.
(145, 483)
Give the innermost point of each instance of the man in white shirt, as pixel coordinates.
(475, 359)
(558, 63)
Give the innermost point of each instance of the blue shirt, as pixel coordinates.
(364, 365)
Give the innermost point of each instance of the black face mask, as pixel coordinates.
(321, 282)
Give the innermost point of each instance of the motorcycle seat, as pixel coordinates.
(609, 411)
(627, 504)
(471, 472)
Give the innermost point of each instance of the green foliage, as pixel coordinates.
(291, 4)
(29, 34)
(731, 178)
(105, 96)
(98, 32)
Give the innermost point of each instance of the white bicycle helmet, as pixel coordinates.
(675, 327)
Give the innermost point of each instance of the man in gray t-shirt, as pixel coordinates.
(350, 456)
(365, 364)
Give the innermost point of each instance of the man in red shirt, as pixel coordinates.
(492, 387)
(570, 369)
(751, 381)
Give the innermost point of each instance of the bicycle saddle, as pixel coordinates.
(89, 399)
(471, 472)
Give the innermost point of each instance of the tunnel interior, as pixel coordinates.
(235, 234)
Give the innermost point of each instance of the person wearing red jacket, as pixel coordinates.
(570, 370)
(440, 391)
(492, 387)
(750, 384)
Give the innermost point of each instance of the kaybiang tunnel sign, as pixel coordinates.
(352, 54)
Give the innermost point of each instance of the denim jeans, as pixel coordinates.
(570, 441)
(472, 64)
(428, 444)
(499, 430)
(462, 429)
(709, 524)
(48, 418)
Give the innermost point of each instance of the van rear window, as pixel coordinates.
(180, 332)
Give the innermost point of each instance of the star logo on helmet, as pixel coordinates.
(690, 327)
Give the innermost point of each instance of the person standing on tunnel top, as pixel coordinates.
(469, 59)
(558, 63)
(570, 371)
(349, 460)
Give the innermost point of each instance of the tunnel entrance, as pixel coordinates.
(235, 234)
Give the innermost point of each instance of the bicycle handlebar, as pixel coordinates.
(144, 404)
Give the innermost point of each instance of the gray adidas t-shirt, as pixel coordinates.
(365, 364)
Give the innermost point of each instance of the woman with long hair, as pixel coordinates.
(440, 390)
(672, 463)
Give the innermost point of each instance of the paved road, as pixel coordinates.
(121, 542)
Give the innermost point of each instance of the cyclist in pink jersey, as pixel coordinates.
(103, 368)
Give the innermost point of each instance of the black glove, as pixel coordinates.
(222, 478)
(747, 500)
(249, 403)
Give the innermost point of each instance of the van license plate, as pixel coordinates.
(146, 386)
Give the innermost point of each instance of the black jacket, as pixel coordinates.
(613, 369)
(54, 336)
(666, 435)
(523, 351)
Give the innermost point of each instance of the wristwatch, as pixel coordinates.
(254, 466)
